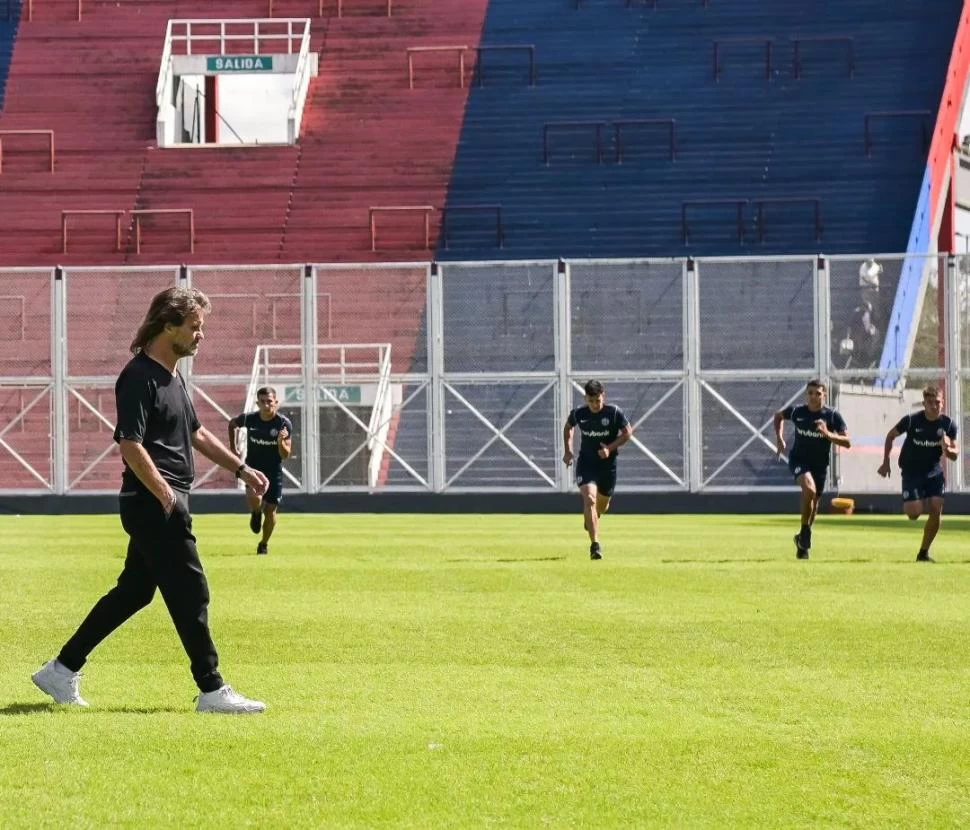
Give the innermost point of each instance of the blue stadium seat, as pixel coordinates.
(742, 136)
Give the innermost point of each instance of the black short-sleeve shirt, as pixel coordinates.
(154, 410)
(262, 440)
(921, 453)
(597, 428)
(810, 447)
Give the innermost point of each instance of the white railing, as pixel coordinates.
(263, 29)
(301, 84)
(166, 111)
(188, 37)
(380, 420)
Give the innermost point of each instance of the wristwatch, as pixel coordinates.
(240, 469)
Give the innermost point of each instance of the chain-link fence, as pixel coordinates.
(459, 376)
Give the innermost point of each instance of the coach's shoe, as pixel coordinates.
(924, 556)
(262, 548)
(60, 683)
(594, 551)
(800, 552)
(227, 701)
(256, 521)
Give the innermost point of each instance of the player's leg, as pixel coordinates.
(808, 504)
(271, 502)
(254, 502)
(605, 484)
(818, 479)
(931, 528)
(602, 502)
(934, 489)
(269, 525)
(588, 492)
(913, 496)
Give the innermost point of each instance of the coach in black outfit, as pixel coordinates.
(157, 430)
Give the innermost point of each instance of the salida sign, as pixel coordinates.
(239, 63)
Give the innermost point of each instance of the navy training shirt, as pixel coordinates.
(597, 428)
(262, 440)
(811, 448)
(154, 410)
(921, 453)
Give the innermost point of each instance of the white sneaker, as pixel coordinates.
(227, 701)
(59, 682)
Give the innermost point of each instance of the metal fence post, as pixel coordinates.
(693, 412)
(308, 341)
(436, 409)
(564, 361)
(60, 447)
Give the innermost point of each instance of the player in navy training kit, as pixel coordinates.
(268, 444)
(817, 427)
(603, 429)
(929, 436)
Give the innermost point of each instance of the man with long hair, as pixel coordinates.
(157, 430)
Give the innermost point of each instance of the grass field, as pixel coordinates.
(466, 671)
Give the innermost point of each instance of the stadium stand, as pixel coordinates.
(769, 111)
(505, 131)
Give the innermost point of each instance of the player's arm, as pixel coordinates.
(212, 448)
(567, 440)
(780, 417)
(141, 464)
(840, 439)
(625, 435)
(284, 442)
(839, 434)
(233, 435)
(948, 443)
(887, 448)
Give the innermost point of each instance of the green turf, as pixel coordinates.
(464, 671)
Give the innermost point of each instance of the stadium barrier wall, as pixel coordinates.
(488, 358)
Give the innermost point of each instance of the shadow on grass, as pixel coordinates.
(27, 708)
(31, 708)
(517, 559)
(815, 560)
(718, 561)
(862, 522)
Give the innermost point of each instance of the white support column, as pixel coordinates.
(954, 359)
(823, 319)
(436, 408)
(562, 299)
(60, 446)
(693, 411)
(311, 423)
(823, 345)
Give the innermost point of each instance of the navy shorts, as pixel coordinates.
(274, 493)
(818, 472)
(603, 477)
(919, 487)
